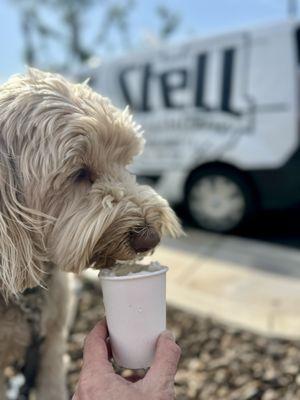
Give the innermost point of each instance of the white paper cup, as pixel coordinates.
(135, 308)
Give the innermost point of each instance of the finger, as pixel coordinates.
(165, 361)
(95, 353)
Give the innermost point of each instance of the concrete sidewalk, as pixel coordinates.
(247, 283)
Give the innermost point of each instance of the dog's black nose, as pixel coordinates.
(144, 239)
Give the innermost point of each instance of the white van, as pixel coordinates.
(221, 120)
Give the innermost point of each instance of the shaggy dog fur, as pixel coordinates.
(67, 202)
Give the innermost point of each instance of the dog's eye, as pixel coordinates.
(84, 174)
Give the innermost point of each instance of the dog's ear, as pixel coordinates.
(21, 243)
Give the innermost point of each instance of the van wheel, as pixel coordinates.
(219, 199)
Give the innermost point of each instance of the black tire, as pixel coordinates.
(210, 218)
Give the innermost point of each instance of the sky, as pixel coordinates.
(199, 17)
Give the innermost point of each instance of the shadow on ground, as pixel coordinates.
(278, 227)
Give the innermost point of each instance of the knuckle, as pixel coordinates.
(167, 394)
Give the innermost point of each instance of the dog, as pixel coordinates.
(67, 202)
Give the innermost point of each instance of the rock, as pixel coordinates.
(270, 395)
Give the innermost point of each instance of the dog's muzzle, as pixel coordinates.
(144, 239)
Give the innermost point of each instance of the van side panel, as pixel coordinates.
(272, 88)
(231, 98)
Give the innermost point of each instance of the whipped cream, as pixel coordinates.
(127, 269)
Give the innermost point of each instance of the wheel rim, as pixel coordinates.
(217, 202)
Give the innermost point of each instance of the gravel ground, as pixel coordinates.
(218, 362)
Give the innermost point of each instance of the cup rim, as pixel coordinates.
(163, 270)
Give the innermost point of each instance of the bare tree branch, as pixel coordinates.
(41, 35)
(170, 21)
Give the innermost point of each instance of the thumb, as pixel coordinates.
(165, 362)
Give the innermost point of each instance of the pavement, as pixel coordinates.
(246, 283)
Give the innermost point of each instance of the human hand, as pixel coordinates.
(98, 380)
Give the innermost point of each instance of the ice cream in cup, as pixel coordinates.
(135, 305)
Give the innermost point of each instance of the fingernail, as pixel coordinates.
(168, 335)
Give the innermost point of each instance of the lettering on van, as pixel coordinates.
(173, 81)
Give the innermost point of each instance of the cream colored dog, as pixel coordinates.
(67, 202)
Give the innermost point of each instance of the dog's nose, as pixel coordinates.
(144, 239)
